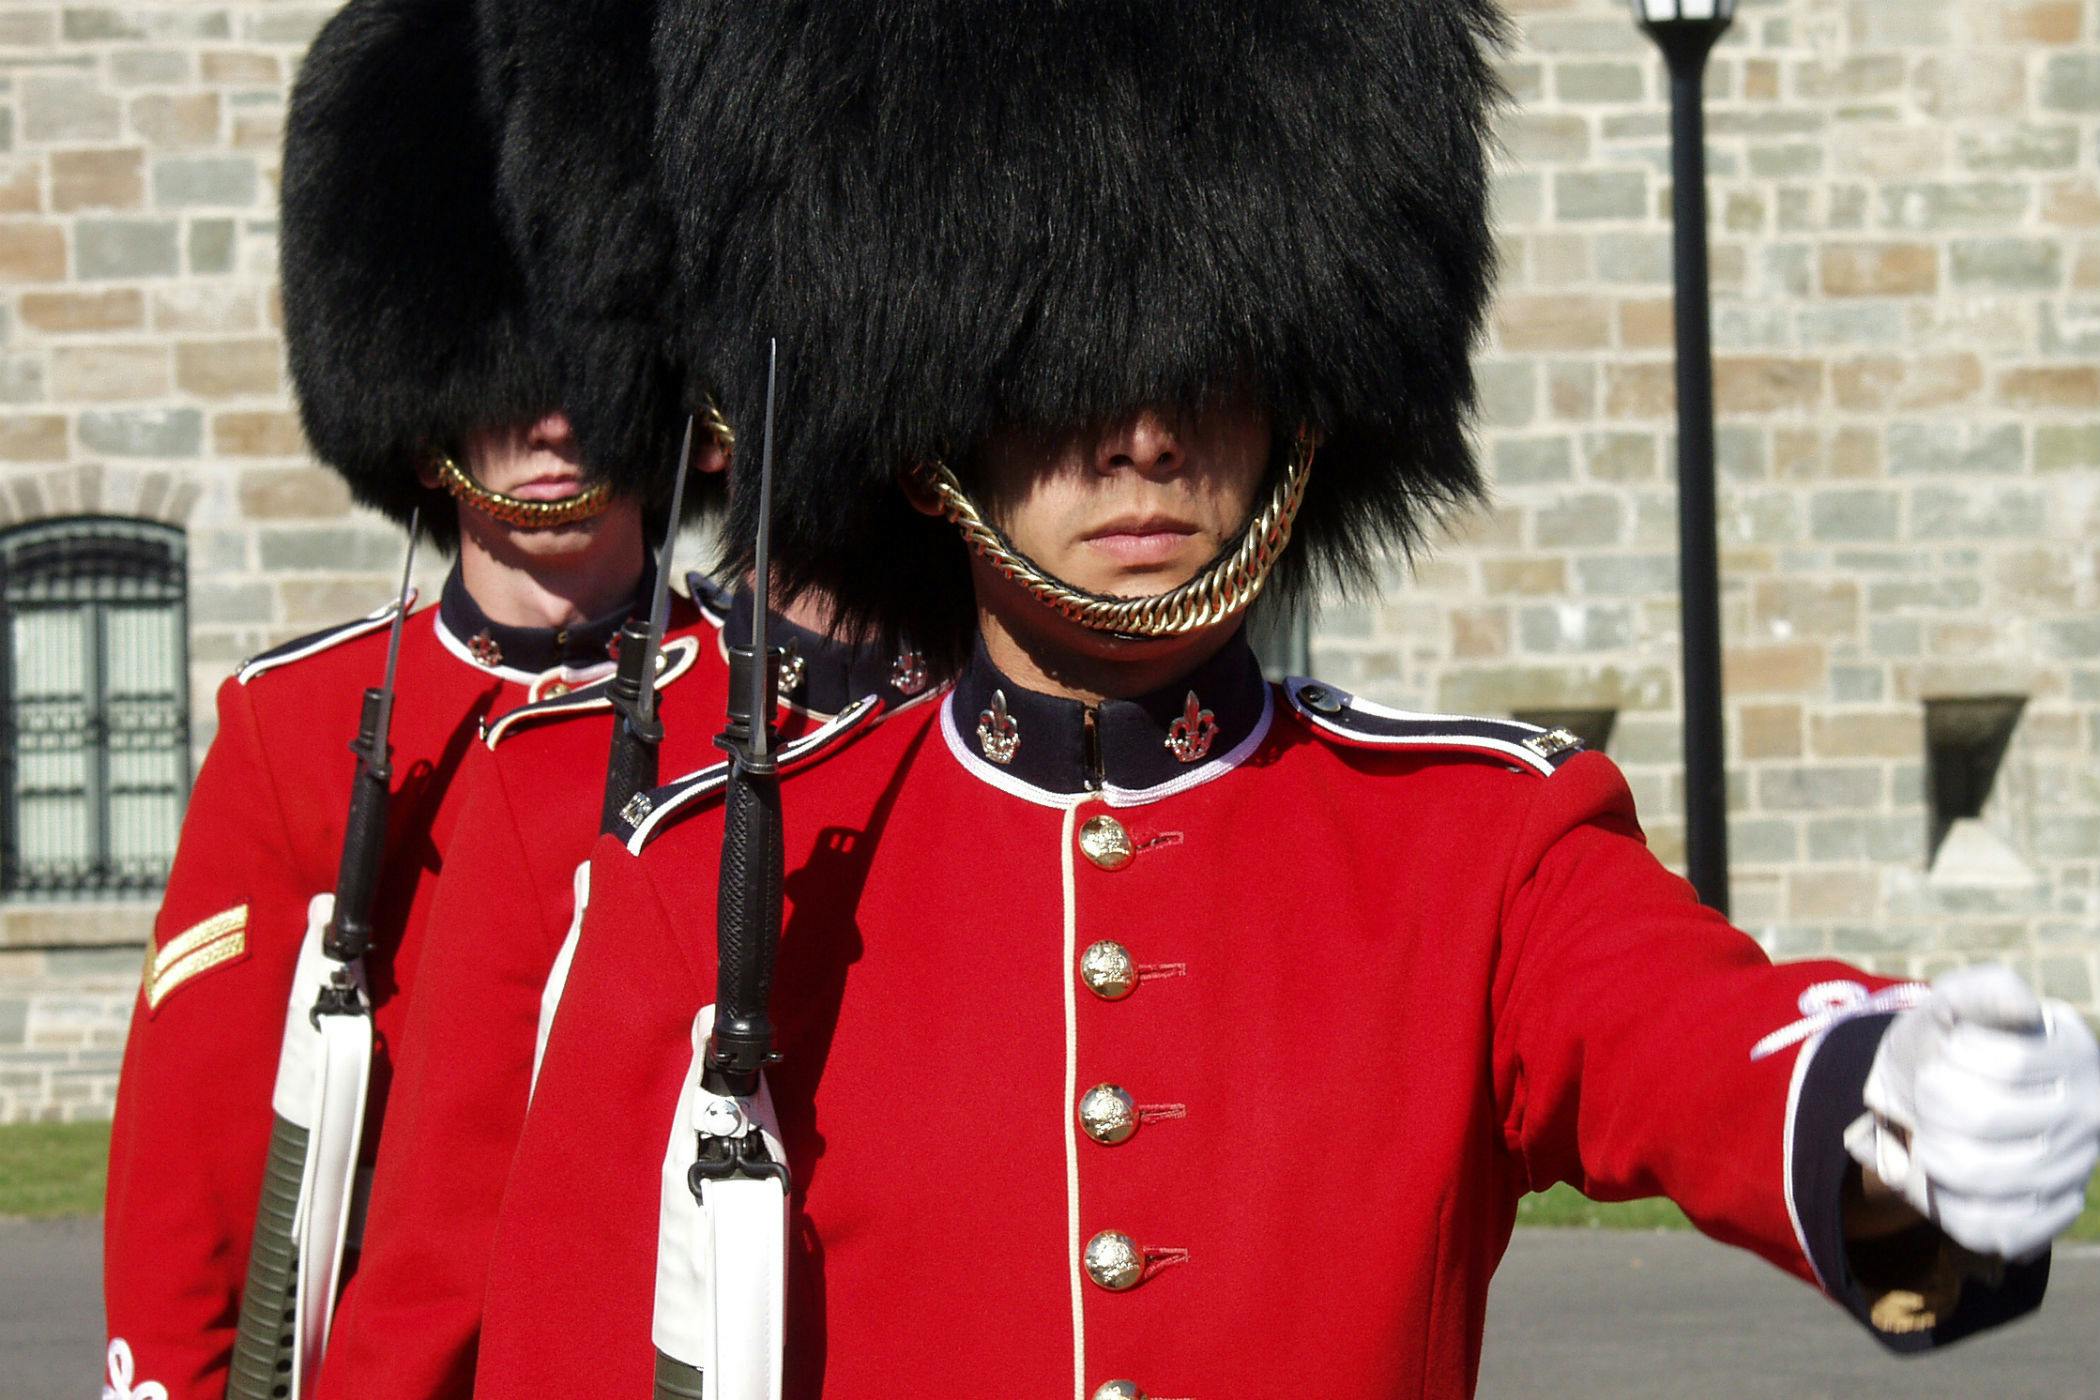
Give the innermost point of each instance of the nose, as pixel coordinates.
(1146, 443)
(551, 433)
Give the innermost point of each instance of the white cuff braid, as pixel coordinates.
(1983, 1112)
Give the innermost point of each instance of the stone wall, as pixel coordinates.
(1905, 240)
(1906, 253)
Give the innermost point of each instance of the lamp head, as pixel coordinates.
(1716, 13)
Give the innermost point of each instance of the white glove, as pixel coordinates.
(1983, 1112)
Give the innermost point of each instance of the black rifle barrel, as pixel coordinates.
(637, 740)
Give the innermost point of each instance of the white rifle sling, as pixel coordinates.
(721, 1255)
(323, 1074)
(558, 975)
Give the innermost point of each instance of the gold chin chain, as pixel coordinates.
(1225, 587)
(512, 510)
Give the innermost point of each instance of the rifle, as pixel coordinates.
(721, 1264)
(638, 736)
(323, 1071)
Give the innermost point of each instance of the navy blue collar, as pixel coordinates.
(1067, 746)
(824, 675)
(536, 649)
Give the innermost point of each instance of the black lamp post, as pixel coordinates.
(1685, 31)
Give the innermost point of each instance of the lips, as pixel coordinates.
(1142, 541)
(552, 486)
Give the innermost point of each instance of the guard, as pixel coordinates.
(1144, 1028)
(419, 382)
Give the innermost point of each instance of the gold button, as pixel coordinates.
(1106, 843)
(1108, 1114)
(554, 690)
(561, 637)
(1108, 970)
(1320, 698)
(1118, 1390)
(1114, 1261)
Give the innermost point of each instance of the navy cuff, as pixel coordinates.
(1830, 1099)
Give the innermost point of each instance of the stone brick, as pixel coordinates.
(39, 437)
(1892, 152)
(215, 369)
(176, 121)
(286, 24)
(2071, 83)
(1797, 608)
(1600, 82)
(2021, 148)
(1571, 390)
(107, 249)
(107, 179)
(207, 308)
(305, 604)
(1871, 734)
(211, 245)
(1985, 85)
(1768, 731)
(28, 29)
(1585, 196)
(1788, 668)
(141, 432)
(1880, 383)
(239, 68)
(158, 24)
(1508, 394)
(1939, 449)
(2071, 203)
(1647, 325)
(2007, 264)
(1546, 138)
(68, 109)
(2050, 388)
(1531, 461)
(1575, 627)
(260, 131)
(32, 252)
(1479, 633)
(292, 493)
(1529, 577)
(1981, 206)
(1579, 521)
(99, 373)
(21, 186)
(2066, 448)
(257, 435)
(2071, 639)
(1526, 324)
(1954, 513)
(1633, 389)
(1631, 258)
(2031, 21)
(188, 182)
(1766, 384)
(1825, 788)
(1880, 269)
(1833, 894)
(1853, 515)
(1872, 24)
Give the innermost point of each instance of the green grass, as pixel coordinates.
(1563, 1207)
(51, 1169)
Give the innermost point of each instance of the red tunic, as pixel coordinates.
(1383, 988)
(407, 1328)
(262, 835)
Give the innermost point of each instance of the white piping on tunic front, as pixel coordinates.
(349, 631)
(1111, 794)
(1786, 1153)
(1066, 840)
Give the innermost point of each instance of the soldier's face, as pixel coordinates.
(540, 462)
(1131, 509)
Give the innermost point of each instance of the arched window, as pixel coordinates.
(94, 740)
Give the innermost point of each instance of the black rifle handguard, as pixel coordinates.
(349, 933)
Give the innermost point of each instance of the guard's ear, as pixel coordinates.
(710, 458)
(917, 483)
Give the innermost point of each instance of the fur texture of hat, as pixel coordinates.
(405, 311)
(568, 83)
(963, 214)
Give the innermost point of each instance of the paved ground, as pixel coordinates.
(1576, 1315)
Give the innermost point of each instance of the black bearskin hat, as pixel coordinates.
(404, 310)
(962, 214)
(567, 82)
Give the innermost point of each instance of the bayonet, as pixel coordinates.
(631, 765)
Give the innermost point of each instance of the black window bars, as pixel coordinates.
(94, 739)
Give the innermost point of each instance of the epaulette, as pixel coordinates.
(710, 597)
(1339, 715)
(673, 661)
(648, 814)
(299, 648)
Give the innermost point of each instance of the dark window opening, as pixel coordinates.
(94, 741)
(1593, 727)
(1965, 743)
